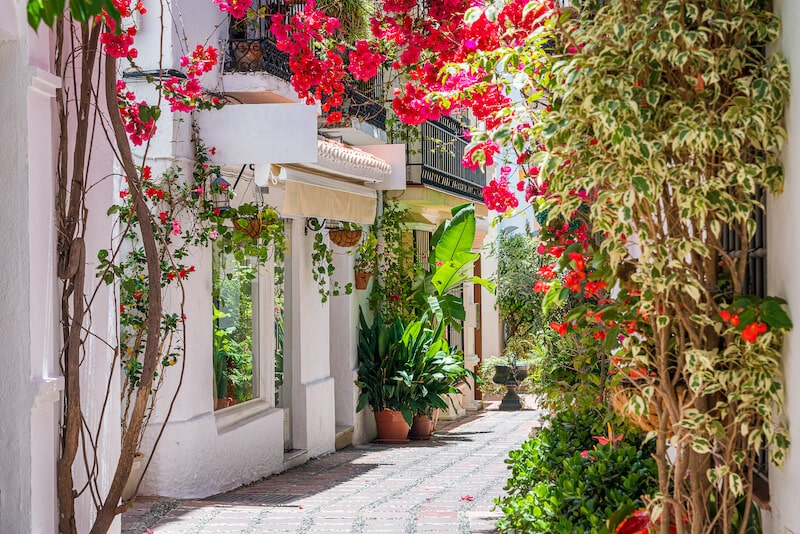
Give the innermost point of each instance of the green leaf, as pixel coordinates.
(640, 185)
(472, 15)
(775, 315)
(701, 445)
(457, 236)
(553, 297)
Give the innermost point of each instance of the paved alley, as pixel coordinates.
(443, 486)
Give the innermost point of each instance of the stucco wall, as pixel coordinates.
(783, 234)
(16, 388)
(491, 331)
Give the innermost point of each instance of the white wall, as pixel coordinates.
(16, 387)
(31, 381)
(313, 409)
(783, 233)
(491, 329)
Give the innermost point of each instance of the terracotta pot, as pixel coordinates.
(392, 428)
(423, 426)
(247, 55)
(362, 279)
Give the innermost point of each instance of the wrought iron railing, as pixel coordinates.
(252, 48)
(443, 146)
(754, 283)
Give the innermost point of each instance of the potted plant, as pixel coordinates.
(405, 374)
(379, 377)
(366, 261)
(437, 370)
(347, 236)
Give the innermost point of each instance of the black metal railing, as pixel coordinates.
(443, 146)
(251, 44)
(252, 48)
(754, 283)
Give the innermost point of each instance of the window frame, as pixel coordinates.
(263, 345)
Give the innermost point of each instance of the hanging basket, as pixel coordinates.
(251, 227)
(345, 238)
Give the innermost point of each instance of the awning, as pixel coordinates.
(308, 200)
(338, 186)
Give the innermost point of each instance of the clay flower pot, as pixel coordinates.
(362, 279)
(423, 426)
(392, 428)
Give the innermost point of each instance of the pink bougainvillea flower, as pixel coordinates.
(236, 8)
(176, 227)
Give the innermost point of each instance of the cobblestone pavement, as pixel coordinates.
(443, 486)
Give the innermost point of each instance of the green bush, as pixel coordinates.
(554, 488)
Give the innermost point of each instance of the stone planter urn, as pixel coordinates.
(510, 377)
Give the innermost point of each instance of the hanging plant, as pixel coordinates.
(322, 268)
(347, 236)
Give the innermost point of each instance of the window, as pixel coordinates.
(235, 297)
(279, 302)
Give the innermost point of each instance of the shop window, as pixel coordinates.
(235, 297)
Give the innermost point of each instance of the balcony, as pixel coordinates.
(251, 48)
(438, 164)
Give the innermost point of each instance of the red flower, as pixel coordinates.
(735, 320)
(547, 272)
(631, 326)
(600, 335)
(752, 331)
(726, 315)
(638, 523)
(170, 276)
(573, 280)
(334, 117)
(602, 440)
(561, 328)
(578, 259)
(541, 287)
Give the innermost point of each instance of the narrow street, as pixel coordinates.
(443, 486)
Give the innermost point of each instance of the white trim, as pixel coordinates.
(238, 415)
(44, 82)
(48, 390)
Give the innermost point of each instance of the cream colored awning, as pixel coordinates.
(309, 200)
(337, 186)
